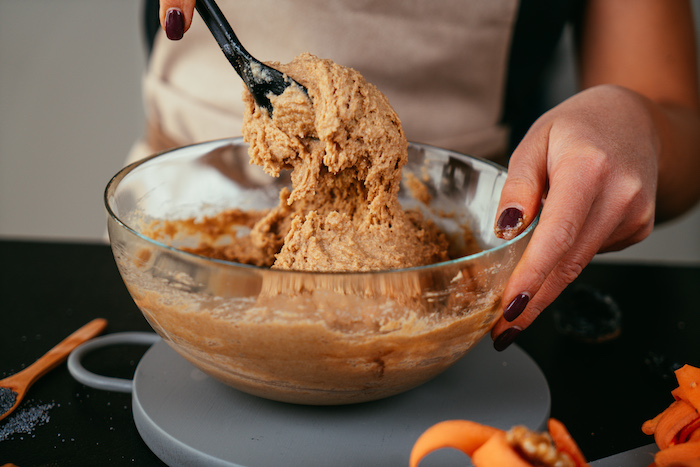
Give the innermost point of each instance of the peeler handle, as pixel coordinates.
(107, 383)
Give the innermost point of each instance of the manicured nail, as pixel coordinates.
(174, 24)
(510, 219)
(506, 338)
(516, 307)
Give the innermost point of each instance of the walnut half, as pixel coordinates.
(537, 448)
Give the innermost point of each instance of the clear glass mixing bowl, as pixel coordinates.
(304, 337)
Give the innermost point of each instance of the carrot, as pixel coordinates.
(689, 385)
(464, 435)
(677, 394)
(674, 419)
(649, 427)
(694, 436)
(689, 432)
(678, 454)
(496, 452)
(564, 442)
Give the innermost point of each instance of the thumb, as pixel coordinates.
(525, 184)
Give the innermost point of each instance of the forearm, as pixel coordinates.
(648, 47)
(679, 160)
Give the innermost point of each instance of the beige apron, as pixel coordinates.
(442, 64)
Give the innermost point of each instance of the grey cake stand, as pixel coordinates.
(188, 419)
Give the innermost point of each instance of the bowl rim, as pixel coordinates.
(237, 140)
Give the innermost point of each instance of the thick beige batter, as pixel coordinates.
(346, 148)
(313, 338)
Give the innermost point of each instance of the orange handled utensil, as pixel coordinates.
(14, 388)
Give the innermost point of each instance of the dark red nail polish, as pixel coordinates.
(510, 219)
(516, 307)
(506, 338)
(174, 24)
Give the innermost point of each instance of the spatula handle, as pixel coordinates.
(224, 35)
(60, 352)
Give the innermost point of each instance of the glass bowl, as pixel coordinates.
(307, 337)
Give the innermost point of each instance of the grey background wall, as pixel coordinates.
(70, 108)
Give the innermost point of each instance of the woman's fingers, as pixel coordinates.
(523, 190)
(555, 255)
(602, 225)
(552, 268)
(176, 17)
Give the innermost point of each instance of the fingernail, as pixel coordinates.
(516, 307)
(510, 219)
(174, 24)
(506, 338)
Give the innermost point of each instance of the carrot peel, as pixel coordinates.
(677, 454)
(689, 385)
(675, 418)
(676, 430)
(489, 447)
(564, 442)
(689, 433)
(465, 435)
(649, 427)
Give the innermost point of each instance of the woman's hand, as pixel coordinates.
(594, 161)
(609, 160)
(176, 17)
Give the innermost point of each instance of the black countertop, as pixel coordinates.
(602, 392)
